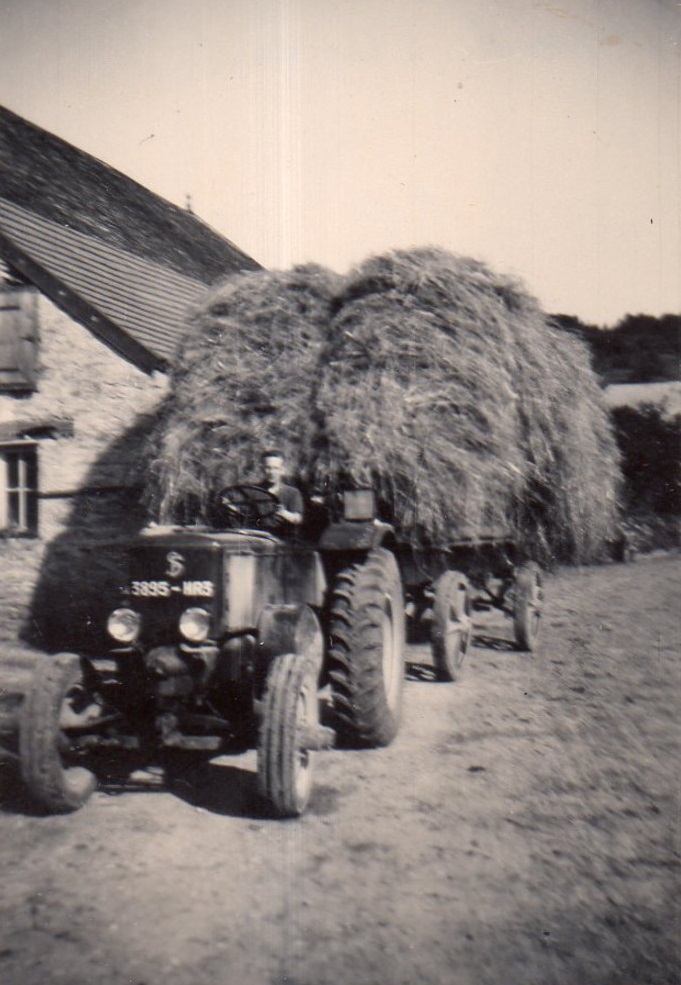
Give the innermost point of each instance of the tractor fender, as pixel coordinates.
(351, 535)
(289, 628)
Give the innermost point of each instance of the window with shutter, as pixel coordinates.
(19, 489)
(18, 339)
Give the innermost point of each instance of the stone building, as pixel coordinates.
(96, 277)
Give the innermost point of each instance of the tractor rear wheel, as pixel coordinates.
(57, 700)
(288, 710)
(366, 657)
(528, 599)
(451, 629)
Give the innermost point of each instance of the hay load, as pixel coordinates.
(415, 366)
(474, 414)
(241, 382)
(423, 374)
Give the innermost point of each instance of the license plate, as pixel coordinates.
(163, 589)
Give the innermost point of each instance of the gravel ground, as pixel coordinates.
(521, 830)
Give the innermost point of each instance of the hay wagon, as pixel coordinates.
(444, 585)
(428, 377)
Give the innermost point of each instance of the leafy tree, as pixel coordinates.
(650, 445)
(639, 349)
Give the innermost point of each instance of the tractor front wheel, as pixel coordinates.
(289, 711)
(57, 705)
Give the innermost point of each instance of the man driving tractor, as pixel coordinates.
(273, 505)
(290, 509)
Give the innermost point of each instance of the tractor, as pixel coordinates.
(219, 642)
(223, 635)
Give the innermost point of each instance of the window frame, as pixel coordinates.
(19, 509)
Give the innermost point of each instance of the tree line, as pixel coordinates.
(639, 349)
(642, 349)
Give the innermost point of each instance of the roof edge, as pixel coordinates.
(174, 213)
(85, 314)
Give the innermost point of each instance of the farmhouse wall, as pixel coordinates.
(87, 478)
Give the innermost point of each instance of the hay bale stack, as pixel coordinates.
(415, 399)
(423, 374)
(569, 505)
(443, 387)
(241, 382)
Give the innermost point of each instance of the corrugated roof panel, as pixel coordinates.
(143, 298)
(50, 177)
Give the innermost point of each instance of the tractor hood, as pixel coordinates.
(230, 574)
(230, 541)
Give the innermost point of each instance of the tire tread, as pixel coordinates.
(356, 652)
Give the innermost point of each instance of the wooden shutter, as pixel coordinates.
(18, 338)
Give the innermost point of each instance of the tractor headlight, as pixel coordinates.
(195, 625)
(124, 625)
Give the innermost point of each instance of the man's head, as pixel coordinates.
(273, 466)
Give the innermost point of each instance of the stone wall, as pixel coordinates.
(111, 404)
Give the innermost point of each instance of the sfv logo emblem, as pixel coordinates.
(176, 566)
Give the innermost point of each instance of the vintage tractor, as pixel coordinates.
(219, 642)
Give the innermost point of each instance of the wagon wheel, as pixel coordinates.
(528, 599)
(452, 626)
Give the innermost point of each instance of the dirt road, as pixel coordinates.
(520, 831)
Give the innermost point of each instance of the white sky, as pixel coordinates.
(543, 138)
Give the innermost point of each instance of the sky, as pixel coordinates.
(542, 138)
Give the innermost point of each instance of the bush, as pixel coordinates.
(651, 464)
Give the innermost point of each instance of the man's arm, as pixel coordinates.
(291, 505)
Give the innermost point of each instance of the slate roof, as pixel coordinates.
(115, 256)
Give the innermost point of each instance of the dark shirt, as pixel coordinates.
(290, 498)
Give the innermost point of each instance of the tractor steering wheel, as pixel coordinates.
(248, 506)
